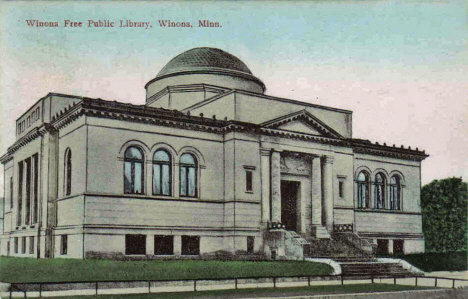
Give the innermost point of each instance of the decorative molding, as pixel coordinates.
(341, 228)
(265, 152)
(307, 117)
(328, 159)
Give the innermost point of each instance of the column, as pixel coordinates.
(150, 244)
(265, 173)
(316, 191)
(328, 192)
(390, 246)
(177, 245)
(275, 186)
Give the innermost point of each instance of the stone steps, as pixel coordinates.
(367, 269)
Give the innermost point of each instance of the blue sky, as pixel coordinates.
(401, 66)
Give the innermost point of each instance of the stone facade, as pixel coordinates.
(241, 171)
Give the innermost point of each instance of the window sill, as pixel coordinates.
(249, 192)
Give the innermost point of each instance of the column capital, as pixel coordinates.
(265, 151)
(328, 159)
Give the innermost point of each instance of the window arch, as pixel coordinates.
(68, 171)
(395, 193)
(188, 175)
(133, 171)
(162, 173)
(380, 191)
(363, 190)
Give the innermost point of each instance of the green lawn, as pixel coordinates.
(433, 261)
(293, 291)
(58, 270)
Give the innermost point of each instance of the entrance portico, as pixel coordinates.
(297, 191)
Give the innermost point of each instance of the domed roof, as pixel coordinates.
(202, 59)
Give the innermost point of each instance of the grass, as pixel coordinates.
(433, 261)
(265, 292)
(67, 270)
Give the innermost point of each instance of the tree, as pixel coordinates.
(444, 215)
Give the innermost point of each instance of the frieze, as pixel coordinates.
(295, 163)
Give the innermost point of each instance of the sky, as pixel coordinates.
(400, 66)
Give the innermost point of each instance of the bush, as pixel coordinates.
(432, 261)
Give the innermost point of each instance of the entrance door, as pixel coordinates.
(289, 195)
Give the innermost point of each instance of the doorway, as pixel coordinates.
(289, 196)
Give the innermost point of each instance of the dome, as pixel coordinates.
(200, 71)
(202, 59)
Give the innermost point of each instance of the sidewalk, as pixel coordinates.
(450, 274)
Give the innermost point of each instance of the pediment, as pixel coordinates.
(302, 122)
(299, 126)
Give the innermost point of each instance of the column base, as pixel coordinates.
(319, 232)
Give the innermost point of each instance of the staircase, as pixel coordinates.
(370, 268)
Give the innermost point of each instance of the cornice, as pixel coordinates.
(177, 119)
(210, 71)
(376, 149)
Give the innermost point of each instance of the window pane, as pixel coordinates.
(362, 177)
(165, 180)
(187, 159)
(248, 181)
(183, 183)
(191, 182)
(161, 156)
(133, 153)
(128, 177)
(138, 175)
(156, 179)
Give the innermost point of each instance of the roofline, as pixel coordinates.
(210, 71)
(294, 101)
(46, 96)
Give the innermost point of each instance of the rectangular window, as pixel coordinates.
(35, 205)
(31, 245)
(248, 181)
(16, 244)
(341, 188)
(23, 245)
(190, 245)
(27, 205)
(135, 244)
(19, 212)
(250, 244)
(163, 245)
(63, 244)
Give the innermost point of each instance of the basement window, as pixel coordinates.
(63, 244)
(135, 244)
(190, 245)
(163, 245)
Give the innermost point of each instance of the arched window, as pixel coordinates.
(379, 191)
(68, 171)
(162, 173)
(133, 173)
(363, 190)
(395, 193)
(188, 175)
